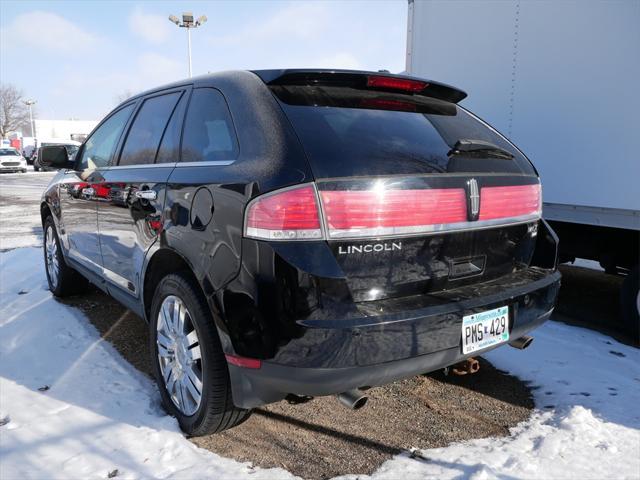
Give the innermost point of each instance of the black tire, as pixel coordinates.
(216, 411)
(68, 281)
(630, 302)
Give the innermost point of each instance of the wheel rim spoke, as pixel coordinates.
(195, 393)
(166, 318)
(164, 352)
(194, 353)
(197, 383)
(164, 341)
(178, 317)
(192, 338)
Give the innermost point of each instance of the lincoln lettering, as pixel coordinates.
(369, 248)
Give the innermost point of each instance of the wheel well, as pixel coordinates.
(45, 211)
(161, 264)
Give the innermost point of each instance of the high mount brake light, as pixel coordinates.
(303, 213)
(413, 86)
(510, 202)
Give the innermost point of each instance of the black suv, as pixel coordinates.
(297, 233)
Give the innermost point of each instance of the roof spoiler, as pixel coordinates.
(363, 80)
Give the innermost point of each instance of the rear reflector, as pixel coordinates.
(285, 215)
(510, 202)
(243, 362)
(392, 83)
(391, 212)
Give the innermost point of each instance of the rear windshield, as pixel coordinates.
(347, 133)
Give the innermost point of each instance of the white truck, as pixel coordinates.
(561, 80)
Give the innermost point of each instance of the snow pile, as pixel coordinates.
(587, 425)
(72, 408)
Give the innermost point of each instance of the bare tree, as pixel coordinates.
(13, 112)
(124, 95)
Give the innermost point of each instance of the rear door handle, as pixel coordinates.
(146, 194)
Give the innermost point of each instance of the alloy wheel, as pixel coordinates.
(179, 355)
(51, 255)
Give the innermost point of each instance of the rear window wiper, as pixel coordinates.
(466, 146)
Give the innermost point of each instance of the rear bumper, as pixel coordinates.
(421, 341)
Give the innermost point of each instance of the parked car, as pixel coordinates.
(71, 147)
(298, 233)
(11, 160)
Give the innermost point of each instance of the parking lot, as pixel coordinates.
(322, 439)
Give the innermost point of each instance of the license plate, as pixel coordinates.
(485, 329)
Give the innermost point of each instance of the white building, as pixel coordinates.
(63, 129)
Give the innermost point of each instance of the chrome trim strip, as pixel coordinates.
(418, 230)
(119, 280)
(142, 165)
(82, 259)
(110, 275)
(215, 163)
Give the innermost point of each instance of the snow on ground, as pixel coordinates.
(99, 414)
(586, 424)
(20, 208)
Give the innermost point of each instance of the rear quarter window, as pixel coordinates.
(209, 134)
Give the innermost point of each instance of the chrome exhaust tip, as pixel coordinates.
(353, 399)
(522, 342)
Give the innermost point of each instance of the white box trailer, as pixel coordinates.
(561, 79)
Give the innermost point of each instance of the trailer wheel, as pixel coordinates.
(630, 302)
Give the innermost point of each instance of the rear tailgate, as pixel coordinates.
(417, 195)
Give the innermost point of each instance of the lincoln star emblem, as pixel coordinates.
(474, 199)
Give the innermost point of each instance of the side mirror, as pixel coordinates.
(55, 156)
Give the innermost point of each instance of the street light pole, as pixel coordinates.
(30, 103)
(188, 22)
(189, 47)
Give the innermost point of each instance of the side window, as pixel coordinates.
(170, 144)
(145, 133)
(208, 130)
(100, 145)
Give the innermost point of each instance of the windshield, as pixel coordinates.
(8, 151)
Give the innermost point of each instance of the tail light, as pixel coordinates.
(303, 213)
(290, 214)
(391, 212)
(510, 202)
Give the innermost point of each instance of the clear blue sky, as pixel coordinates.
(75, 58)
